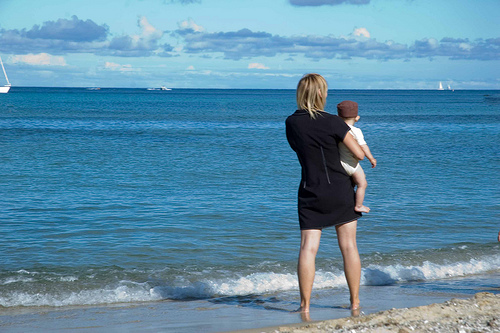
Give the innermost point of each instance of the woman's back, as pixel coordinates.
(326, 194)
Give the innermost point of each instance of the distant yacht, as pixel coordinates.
(161, 88)
(4, 89)
(449, 88)
(440, 86)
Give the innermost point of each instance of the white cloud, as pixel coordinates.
(41, 59)
(465, 46)
(148, 31)
(190, 68)
(143, 44)
(117, 67)
(361, 32)
(433, 43)
(111, 65)
(190, 25)
(256, 65)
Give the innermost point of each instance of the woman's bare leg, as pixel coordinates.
(346, 234)
(306, 268)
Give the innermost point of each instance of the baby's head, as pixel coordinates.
(348, 110)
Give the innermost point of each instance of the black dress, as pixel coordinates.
(326, 192)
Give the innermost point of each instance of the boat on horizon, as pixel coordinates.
(163, 88)
(440, 86)
(5, 89)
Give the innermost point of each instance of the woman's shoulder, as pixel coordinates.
(333, 118)
(320, 115)
(299, 113)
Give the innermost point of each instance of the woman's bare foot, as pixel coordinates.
(355, 304)
(362, 209)
(302, 310)
(355, 312)
(304, 313)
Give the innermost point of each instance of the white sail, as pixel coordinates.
(5, 88)
(440, 86)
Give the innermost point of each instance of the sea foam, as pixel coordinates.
(126, 291)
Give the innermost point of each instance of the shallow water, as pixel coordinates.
(129, 195)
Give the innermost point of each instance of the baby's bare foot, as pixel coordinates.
(362, 209)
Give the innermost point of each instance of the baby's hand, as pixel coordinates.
(373, 162)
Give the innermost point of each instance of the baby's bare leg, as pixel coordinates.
(360, 181)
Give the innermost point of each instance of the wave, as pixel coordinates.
(375, 275)
(25, 288)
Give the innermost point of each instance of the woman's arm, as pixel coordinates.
(353, 146)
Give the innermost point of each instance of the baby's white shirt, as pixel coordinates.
(358, 135)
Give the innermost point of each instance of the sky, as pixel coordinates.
(269, 44)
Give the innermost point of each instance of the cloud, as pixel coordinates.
(457, 49)
(55, 37)
(327, 2)
(141, 45)
(79, 36)
(85, 36)
(42, 59)
(256, 65)
(148, 31)
(117, 67)
(245, 43)
(69, 30)
(363, 32)
(243, 74)
(189, 26)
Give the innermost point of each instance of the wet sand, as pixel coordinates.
(480, 313)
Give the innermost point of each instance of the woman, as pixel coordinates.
(326, 194)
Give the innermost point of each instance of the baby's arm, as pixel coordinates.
(369, 155)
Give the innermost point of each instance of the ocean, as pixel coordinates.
(130, 196)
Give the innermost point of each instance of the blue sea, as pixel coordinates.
(124, 196)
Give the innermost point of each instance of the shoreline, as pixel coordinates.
(272, 313)
(476, 314)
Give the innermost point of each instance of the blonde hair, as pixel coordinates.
(311, 94)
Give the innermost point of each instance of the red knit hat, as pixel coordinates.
(347, 109)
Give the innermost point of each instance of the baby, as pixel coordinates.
(348, 111)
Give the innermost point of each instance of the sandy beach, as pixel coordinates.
(480, 313)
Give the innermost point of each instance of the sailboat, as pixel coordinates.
(5, 89)
(440, 86)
